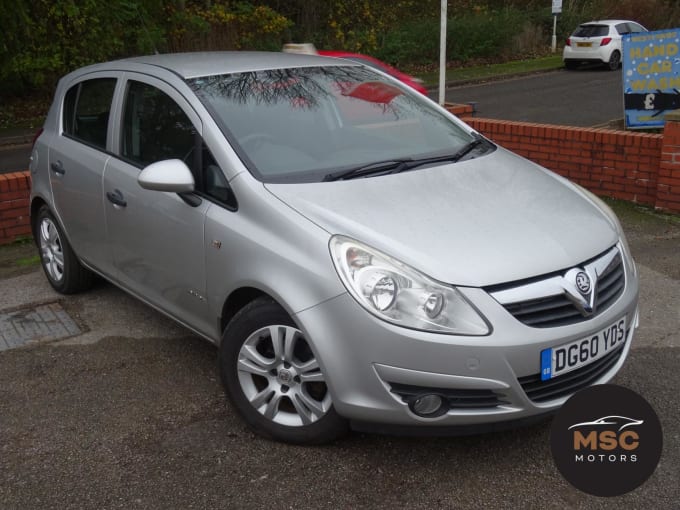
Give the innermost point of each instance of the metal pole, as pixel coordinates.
(554, 36)
(442, 53)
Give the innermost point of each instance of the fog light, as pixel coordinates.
(427, 405)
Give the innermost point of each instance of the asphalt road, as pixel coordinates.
(131, 414)
(585, 97)
(14, 158)
(578, 98)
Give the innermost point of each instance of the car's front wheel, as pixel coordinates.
(61, 266)
(274, 379)
(614, 60)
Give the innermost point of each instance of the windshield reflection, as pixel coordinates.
(294, 125)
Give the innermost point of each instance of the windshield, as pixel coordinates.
(298, 125)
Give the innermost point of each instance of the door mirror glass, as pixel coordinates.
(167, 175)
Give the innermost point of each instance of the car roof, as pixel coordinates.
(193, 65)
(609, 22)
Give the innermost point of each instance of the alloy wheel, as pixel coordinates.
(51, 250)
(281, 378)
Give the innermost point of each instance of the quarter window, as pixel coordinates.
(86, 111)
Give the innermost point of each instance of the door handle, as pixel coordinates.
(58, 168)
(116, 198)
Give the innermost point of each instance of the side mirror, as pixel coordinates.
(168, 175)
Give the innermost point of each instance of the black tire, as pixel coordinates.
(250, 326)
(614, 60)
(60, 264)
(571, 64)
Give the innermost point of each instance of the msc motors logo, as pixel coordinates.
(606, 440)
(606, 435)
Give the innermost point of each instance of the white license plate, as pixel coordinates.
(565, 358)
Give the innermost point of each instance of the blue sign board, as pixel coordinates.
(651, 77)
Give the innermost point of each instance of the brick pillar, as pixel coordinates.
(668, 182)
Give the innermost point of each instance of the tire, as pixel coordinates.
(280, 392)
(62, 268)
(571, 64)
(614, 60)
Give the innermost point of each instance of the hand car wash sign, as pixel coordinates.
(651, 77)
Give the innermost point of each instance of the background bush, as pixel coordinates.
(44, 39)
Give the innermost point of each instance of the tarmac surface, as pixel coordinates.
(587, 97)
(130, 414)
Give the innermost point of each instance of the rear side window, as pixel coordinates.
(87, 106)
(155, 128)
(622, 28)
(592, 31)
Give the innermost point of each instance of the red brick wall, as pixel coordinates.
(14, 213)
(617, 164)
(668, 181)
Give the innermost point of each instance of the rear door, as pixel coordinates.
(157, 237)
(77, 157)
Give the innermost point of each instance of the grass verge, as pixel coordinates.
(483, 72)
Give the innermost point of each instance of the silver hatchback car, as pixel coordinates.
(361, 257)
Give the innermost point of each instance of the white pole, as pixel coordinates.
(554, 36)
(442, 54)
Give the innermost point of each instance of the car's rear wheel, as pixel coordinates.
(274, 379)
(61, 266)
(614, 60)
(571, 64)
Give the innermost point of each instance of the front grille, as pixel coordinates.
(571, 382)
(547, 305)
(546, 312)
(610, 284)
(455, 398)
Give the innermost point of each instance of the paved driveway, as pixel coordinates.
(130, 414)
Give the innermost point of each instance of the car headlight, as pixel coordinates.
(400, 294)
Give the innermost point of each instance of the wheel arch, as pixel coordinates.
(237, 300)
(36, 204)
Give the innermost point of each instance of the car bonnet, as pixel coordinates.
(490, 220)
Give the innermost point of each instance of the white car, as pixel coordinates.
(598, 41)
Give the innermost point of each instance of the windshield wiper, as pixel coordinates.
(377, 167)
(395, 166)
(456, 156)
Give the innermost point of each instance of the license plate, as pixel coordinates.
(565, 358)
(584, 44)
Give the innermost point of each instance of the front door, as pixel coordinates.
(157, 237)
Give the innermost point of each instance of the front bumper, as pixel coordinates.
(369, 363)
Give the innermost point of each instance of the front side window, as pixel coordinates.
(301, 124)
(87, 106)
(155, 128)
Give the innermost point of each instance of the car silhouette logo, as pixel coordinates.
(621, 421)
